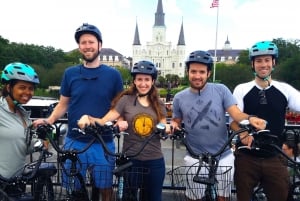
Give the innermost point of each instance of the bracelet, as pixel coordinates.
(251, 116)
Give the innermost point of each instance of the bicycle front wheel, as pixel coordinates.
(294, 194)
(43, 189)
(4, 196)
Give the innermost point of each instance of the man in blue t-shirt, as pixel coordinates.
(88, 88)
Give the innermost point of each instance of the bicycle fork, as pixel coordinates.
(120, 190)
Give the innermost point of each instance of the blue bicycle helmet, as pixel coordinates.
(19, 71)
(200, 57)
(88, 28)
(263, 48)
(144, 67)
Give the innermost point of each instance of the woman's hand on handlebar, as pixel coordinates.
(123, 125)
(84, 121)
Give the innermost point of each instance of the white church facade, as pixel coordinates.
(168, 59)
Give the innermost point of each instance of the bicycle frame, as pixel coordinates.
(123, 160)
(205, 170)
(72, 173)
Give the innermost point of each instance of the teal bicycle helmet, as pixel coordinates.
(200, 57)
(88, 28)
(19, 71)
(144, 67)
(263, 48)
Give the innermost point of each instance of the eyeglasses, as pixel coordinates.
(262, 97)
(86, 78)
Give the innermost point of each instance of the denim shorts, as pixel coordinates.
(95, 165)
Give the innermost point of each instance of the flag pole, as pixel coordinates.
(216, 41)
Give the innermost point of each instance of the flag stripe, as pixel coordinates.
(215, 3)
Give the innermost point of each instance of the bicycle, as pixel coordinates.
(128, 178)
(74, 185)
(206, 180)
(264, 140)
(35, 174)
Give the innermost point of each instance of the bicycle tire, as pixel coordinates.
(210, 194)
(4, 196)
(294, 194)
(43, 189)
(259, 195)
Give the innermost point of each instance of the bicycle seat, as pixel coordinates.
(45, 169)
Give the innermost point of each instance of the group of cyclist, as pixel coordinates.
(92, 93)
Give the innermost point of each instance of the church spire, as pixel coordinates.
(181, 40)
(136, 40)
(159, 15)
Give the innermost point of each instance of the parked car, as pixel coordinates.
(40, 106)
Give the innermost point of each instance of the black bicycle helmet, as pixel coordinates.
(144, 67)
(19, 71)
(200, 57)
(88, 28)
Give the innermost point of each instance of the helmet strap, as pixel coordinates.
(10, 94)
(264, 78)
(142, 95)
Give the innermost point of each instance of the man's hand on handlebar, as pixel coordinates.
(39, 122)
(258, 123)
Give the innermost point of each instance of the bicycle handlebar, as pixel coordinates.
(180, 134)
(125, 163)
(97, 131)
(45, 132)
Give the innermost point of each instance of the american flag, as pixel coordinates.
(215, 3)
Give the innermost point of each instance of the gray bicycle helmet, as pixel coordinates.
(144, 67)
(200, 57)
(263, 48)
(19, 71)
(88, 28)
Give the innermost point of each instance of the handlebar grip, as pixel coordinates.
(122, 167)
(163, 135)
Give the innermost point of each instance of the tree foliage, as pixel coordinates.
(50, 64)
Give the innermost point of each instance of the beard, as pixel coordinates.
(92, 58)
(198, 87)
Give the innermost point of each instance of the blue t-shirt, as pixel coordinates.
(90, 90)
(203, 115)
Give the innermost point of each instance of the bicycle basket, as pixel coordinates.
(186, 188)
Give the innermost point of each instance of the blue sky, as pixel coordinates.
(53, 22)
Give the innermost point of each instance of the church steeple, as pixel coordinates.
(181, 40)
(136, 40)
(227, 45)
(159, 15)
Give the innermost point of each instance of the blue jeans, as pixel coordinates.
(150, 181)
